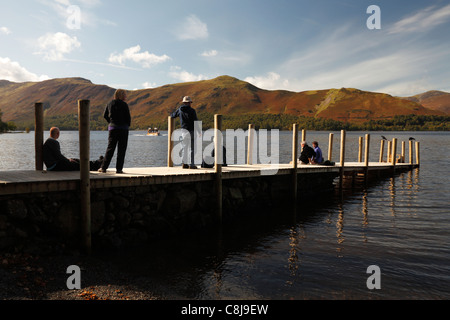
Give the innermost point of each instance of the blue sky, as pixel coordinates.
(294, 45)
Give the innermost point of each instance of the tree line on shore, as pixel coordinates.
(6, 127)
(261, 121)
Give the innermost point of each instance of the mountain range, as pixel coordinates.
(224, 95)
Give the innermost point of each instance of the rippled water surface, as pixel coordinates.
(321, 250)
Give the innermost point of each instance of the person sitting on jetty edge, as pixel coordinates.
(55, 161)
(187, 116)
(318, 158)
(307, 153)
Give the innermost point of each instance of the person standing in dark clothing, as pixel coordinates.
(117, 114)
(307, 153)
(187, 116)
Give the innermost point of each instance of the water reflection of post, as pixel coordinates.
(365, 212)
(293, 260)
(392, 194)
(340, 228)
(218, 269)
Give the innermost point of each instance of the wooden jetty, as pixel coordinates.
(17, 184)
(31, 181)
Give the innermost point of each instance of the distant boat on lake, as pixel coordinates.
(153, 132)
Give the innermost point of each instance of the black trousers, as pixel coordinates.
(67, 165)
(116, 138)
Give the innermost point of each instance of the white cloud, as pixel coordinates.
(211, 53)
(5, 30)
(53, 46)
(145, 59)
(193, 28)
(13, 71)
(423, 20)
(149, 85)
(185, 76)
(271, 81)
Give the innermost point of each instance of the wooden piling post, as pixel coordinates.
(294, 161)
(367, 151)
(411, 154)
(39, 136)
(84, 136)
(218, 160)
(389, 152)
(171, 128)
(342, 160)
(330, 146)
(403, 152)
(418, 153)
(382, 151)
(394, 151)
(360, 153)
(303, 135)
(250, 143)
(366, 158)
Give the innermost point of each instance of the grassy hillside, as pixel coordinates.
(231, 97)
(434, 100)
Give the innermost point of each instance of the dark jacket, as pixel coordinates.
(306, 154)
(187, 117)
(118, 115)
(52, 153)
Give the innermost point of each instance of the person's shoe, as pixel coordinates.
(119, 172)
(102, 170)
(192, 167)
(185, 166)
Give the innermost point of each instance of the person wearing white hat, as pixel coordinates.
(187, 116)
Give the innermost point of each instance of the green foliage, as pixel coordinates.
(5, 127)
(270, 121)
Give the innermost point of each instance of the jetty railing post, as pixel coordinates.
(84, 135)
(330, 146)
(250, 146)
(389, 152)
(418, 153)
(366, 158)
(171, 128)
(360, 149)
(411, 154)
(294, 161)
(342, 160)
(394, 154)
(303, 135)
(39, 136)
(382, 150)
(218, 160)
(403, 151)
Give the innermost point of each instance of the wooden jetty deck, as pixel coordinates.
(32, 181)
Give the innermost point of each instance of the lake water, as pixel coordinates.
(320, 251)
